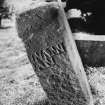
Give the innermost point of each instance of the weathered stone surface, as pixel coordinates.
(92, 52)
(43, 37)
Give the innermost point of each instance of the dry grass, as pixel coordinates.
(96, 78)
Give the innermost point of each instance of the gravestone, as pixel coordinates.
(92, 52)
(43, 36)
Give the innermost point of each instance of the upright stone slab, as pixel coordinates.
(92, 52)
(44, 39)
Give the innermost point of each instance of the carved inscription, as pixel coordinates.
(45, 58)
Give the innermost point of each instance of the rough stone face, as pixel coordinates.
(92, 52)
(43, 37)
